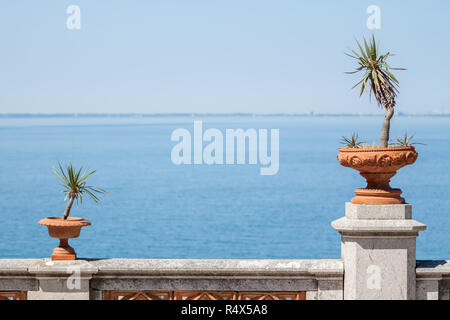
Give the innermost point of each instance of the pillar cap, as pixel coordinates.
(372, 227)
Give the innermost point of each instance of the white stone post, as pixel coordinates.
(62, 280)
(378, 247)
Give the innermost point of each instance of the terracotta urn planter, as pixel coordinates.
(64, 230)
(377, 165)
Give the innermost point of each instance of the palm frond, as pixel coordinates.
(378, 78)
(406, 141)
(352, 142)
(74, 183)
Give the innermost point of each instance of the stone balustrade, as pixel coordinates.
(46, 279)
(164, 279)
(378, 249)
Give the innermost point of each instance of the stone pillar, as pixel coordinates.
(378, 246)
(329, 289)
(428, 288)
(62, 280)
(430, 276)
(330, 281)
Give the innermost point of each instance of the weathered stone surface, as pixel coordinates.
(321, 279)
(379, 268)
(14, 275)
(95, 294)
(427, 289)
(433, 280)
(311, 295)
(378, 212)
(352, 226)
(63, 268)
(444, 289)
(136, 284)
(293, 269)
(379, 254)
(432, 268)
(11, 283)
(219, 275)
(16, 266)
(61, 280)
(59, 289)
(330, 289)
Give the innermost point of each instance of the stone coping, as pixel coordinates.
(185, 267)
(16, 266)
(182, 268)
(433, 269)
(387, 226)
(219, 267)
(48, 267)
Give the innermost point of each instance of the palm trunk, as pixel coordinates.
(69, 206)
(384, 139)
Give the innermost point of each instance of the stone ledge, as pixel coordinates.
(348, 226)
(16, 266)
(28, 268)
(47, 267)
(433, 269)
(14, 275)
(226, 268)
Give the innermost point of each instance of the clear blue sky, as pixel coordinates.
(159, 56)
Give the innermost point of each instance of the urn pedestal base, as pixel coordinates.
(64, 251)
(377, 196)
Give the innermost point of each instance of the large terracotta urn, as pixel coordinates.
(64, 230)
(377, 165)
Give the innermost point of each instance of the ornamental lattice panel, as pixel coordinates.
(13, 295)
(202, 295)
(272, 296)
(137, 295)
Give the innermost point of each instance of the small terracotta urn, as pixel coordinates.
(377, 165)
(64, 230)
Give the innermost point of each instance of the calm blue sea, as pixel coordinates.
(156, 209)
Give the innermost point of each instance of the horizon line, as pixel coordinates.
(192, 114)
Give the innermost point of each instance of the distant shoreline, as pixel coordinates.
(162, 115)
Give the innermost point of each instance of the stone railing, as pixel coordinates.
(433, 280)
(378, 262)
(148, 279)
(173, 279)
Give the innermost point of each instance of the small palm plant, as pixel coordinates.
(378, 80)
(74, 183)
(406, 141)
(352, 142)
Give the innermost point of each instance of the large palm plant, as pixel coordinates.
(74, 183)
(378, 80)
